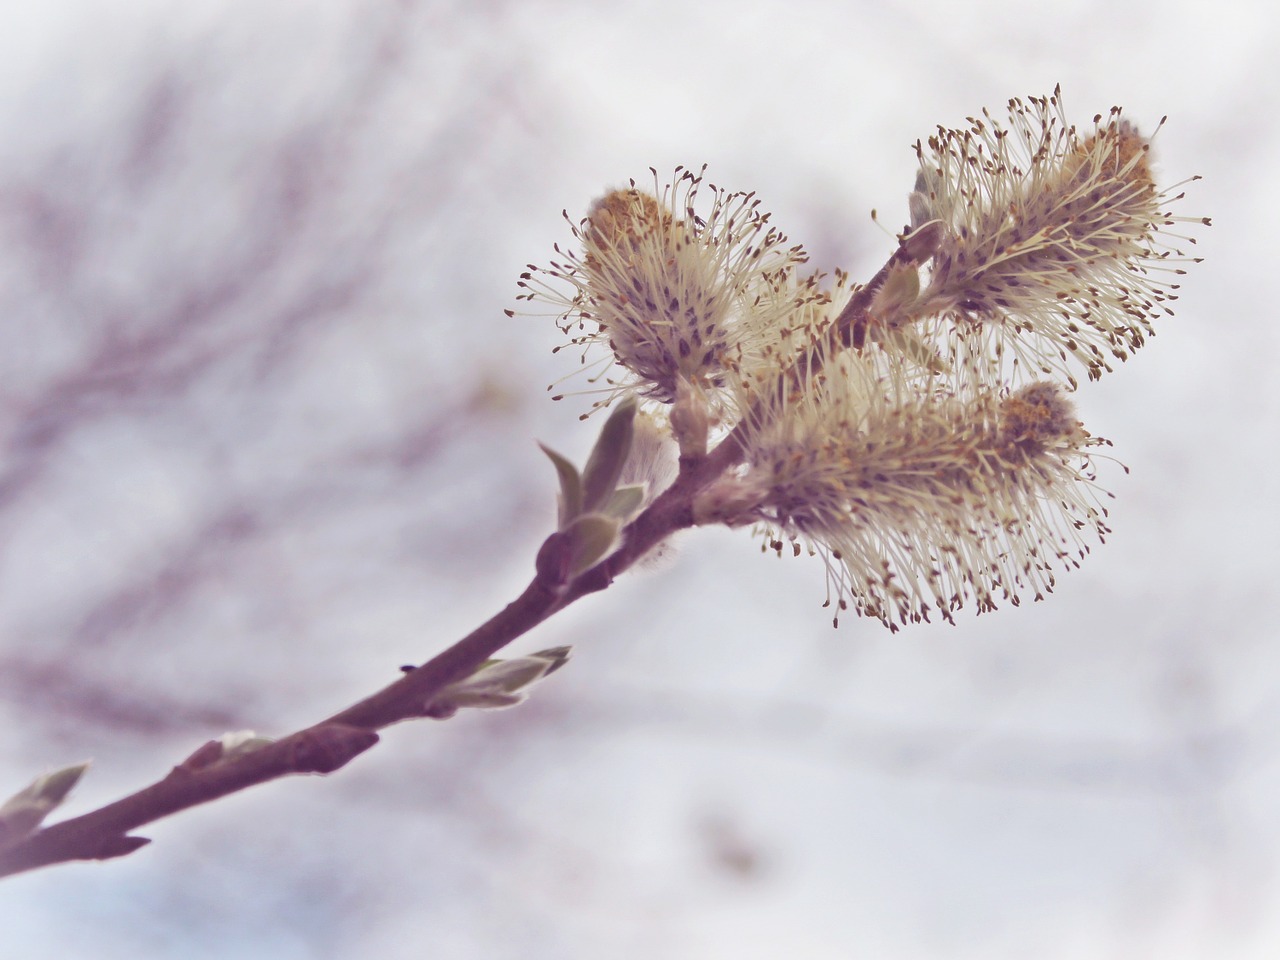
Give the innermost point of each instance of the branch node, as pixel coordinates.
(329, 748)
(206, 755)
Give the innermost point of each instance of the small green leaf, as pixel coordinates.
(609, 456)
(506, 676)
(916, 350)
(25, 810)
(497, 683)
(625, 502)
(903, 285)
(241, 742)
(482, 698)
(593, 536)
(570, 486)
(556, 657)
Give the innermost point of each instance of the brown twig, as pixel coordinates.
(212, 772)
(854, 324)
(327, 746)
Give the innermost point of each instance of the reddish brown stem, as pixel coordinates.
(330, 744)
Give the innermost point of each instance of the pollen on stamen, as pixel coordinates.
(666, 286)
(920, 500)
(1054, 240)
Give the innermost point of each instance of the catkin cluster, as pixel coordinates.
(916, 431)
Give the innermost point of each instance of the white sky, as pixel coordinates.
(246, 539)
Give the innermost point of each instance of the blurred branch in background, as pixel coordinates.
(200, 287)
(230, 431)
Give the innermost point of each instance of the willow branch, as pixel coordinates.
(321, 748)
(324, 747)
(330, 744)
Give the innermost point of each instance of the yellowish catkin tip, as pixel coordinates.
(1117, 151)
(1037, 417)
(620, 218)
(670, 295)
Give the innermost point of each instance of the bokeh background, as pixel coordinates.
(266, 434)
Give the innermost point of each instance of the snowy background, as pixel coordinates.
(266, 434)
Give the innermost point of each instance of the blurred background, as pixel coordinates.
(266, 434)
